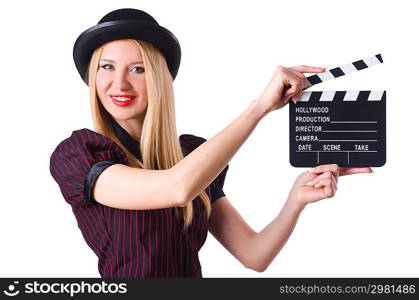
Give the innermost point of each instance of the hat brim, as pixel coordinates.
(102, 33)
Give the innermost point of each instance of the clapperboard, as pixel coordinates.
(347, 128)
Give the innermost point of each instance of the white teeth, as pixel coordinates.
(122, 98)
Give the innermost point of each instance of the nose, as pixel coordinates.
(121, 81)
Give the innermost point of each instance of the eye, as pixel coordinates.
(138, 69)
(104, 66)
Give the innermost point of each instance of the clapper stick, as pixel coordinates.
(343, 70)
(338, 72)
(343, 127)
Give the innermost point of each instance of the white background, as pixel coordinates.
(230, 50)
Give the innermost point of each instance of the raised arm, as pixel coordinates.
(125, 187)
(131, 188)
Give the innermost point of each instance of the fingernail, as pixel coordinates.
(309, 183)
(316, 185)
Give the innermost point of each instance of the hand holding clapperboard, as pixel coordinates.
(336, 133)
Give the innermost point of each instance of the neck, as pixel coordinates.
(133, 127)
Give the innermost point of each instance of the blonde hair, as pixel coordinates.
(159, 144)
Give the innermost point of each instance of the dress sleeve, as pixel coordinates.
(191, 142)
(78, 160)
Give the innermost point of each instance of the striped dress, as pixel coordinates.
(129, 243)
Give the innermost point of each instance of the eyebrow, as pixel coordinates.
(110, 60)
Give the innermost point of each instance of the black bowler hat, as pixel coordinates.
(122, 24)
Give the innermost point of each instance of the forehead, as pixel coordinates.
(121, 50)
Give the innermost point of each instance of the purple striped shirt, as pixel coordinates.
(129, 243)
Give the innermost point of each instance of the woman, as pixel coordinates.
(145, 199)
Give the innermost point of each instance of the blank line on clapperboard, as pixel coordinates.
(375, 122)
(332, 74)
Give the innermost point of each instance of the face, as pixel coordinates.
(121, 81)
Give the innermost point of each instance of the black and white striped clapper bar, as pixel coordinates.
(347, 128)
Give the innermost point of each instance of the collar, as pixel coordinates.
(129, 142)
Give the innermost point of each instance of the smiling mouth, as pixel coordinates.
(122, 100)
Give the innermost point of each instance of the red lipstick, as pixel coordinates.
(122, 99)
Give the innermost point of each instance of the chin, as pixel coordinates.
(124, 116)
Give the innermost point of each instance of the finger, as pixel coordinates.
(306, 177)
(323, 182)
(334, 168)
(316, 195)
(327, 186)
(329, 191)
(308, 69)
(334, 189)
(294, 82)
(298, 74)
(319, 177)
(297, 97)
(335, 186)
(296, 87)
(350, 171)
(290, 95)
(325, 175)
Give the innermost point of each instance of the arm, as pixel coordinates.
(254, 250)
(257, 250)
(266, 245)
(125, 187)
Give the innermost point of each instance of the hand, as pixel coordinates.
(320, 183)
(286, 83)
